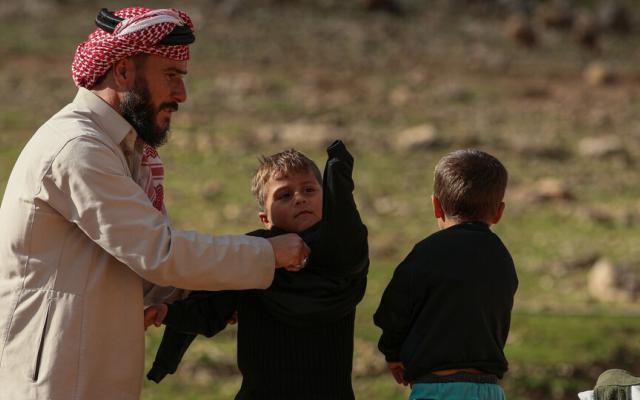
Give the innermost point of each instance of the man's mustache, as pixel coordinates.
(173, 106)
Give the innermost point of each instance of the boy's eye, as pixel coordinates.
(310, 189)
(283, 195)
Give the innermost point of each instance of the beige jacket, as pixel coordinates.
(77, 237)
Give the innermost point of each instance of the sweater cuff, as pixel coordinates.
(339, 150)
(157, 372)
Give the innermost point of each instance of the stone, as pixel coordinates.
(519, 29)
(556, 14)
(609, 282)
(599, 74)
(416, 138)
(602, 147)
(550, 189)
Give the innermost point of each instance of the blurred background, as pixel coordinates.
(552, 88)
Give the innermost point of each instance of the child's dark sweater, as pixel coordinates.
(449, 304)
(295, 339)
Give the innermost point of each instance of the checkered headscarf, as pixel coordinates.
(139, 32)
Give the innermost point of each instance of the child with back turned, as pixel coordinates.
(445, 315)
(295, 339)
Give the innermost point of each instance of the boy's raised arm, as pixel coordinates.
(345, 236)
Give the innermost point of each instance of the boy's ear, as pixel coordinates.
(499, 213)
(265, 219)
(438, 212)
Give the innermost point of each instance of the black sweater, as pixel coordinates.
(295, 339)
(449, 304)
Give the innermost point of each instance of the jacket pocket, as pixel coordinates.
(35, 370)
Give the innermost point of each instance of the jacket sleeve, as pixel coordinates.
(395, 311)
(89, 185)
(344, 236)
(204, 313)
(172, 348)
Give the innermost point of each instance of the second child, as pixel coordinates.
(446, 313)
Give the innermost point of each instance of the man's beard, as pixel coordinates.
(138, 110)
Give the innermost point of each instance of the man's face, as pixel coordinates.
(293, 202)
(157, 91)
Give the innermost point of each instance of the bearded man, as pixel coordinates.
(84, 224)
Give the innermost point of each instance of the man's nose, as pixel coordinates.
(179, 92)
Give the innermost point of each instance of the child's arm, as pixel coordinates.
(344, 234)
(394, 316)
(205, 313)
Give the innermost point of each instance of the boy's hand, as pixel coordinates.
(290, 250)
(154, 315)
(397, 370)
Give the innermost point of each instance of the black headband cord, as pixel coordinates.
(180, 35)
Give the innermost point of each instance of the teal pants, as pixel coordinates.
(456, 391)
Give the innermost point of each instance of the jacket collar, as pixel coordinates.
(111, 122)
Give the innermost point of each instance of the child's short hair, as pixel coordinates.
(470, 184)
(280, 164)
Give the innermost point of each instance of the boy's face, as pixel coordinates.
(293, 202)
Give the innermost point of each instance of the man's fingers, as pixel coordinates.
(290, 251)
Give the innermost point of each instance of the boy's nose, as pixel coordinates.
(299, 198)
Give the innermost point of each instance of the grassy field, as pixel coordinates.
(266, 75)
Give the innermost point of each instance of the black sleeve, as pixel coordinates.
(395, 311)
(344, 235)
(172, 348)
(204, 313)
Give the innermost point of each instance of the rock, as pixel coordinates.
(615, 17)
(519, 29)
(297, 134)
(212, 190)
(550, 189)
(305, 134)
(551, 151)
(416, 138)
(389, 6)
(598, 74)
(586, 31)
(612, 283)
(574, 263)
(556, 14)
(602, 147)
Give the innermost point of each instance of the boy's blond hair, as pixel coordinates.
(277, 165)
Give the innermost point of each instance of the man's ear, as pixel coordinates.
(499, 213)
(265, 219)
(124, 74)
(438, 212)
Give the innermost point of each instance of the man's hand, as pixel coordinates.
(397, 370)
(290, 250)
(155, 315)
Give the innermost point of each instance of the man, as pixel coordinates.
(83, 221)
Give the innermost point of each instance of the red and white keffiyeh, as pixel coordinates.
(139, 32)
(151, 177)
